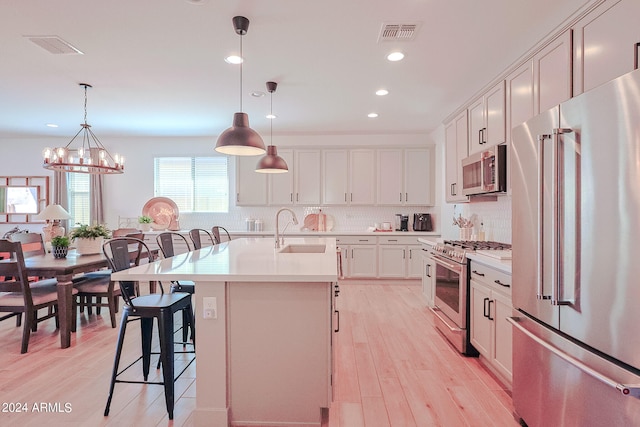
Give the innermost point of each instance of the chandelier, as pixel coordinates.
(90, 157)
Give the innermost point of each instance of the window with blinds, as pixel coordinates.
(79, 197)
(195, 184)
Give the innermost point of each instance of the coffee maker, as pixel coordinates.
(402, 222)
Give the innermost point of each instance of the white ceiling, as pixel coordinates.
(157, 66)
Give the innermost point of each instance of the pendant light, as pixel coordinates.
(240, 139)
(271, 162)
(92, 157)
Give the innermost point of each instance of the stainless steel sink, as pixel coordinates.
(303, 249)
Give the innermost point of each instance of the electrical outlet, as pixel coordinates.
(209, 308)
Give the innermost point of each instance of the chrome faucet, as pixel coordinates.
(280, 240)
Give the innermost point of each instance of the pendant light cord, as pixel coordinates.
(241, 63)
(85, 104)
(271, 122)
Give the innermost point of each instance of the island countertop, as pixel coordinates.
(247, 260)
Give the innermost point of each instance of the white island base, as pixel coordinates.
(265, 356)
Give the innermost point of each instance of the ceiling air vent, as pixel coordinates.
(398, 31)
(55, 45)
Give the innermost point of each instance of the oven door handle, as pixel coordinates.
(454, 267)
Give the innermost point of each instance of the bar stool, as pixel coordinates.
(165, 243)
(216, 229)
(195, 235)
(145, 308)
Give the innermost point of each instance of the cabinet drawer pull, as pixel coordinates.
(478, 273)
(400, 196)
(635, 56)
(484, 307)
(497, 281)
(489, 316)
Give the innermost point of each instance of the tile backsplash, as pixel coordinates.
(495, 216)
(346, 218)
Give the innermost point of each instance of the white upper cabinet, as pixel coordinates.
(349, 177)
(307, 177)
(405, 176)
(251, 187)
(419, 176)
(552, 74)
(487, 120)
(362, 177)
(281, 185)
(605, 43)
(390, 187)
(456, 146)
(335, 177)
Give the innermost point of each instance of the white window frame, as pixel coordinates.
(195, 184)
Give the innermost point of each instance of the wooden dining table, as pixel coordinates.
(64, 269)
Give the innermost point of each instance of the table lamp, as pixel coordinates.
(53, 214)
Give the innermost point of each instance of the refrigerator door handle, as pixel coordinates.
(540, 279)
(632, 390)
(558, 213)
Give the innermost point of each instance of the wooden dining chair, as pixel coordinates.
(196, 237)
(32, 245)
(220, 234)
(18, 296)
(146, 308)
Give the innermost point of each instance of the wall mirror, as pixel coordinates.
(21, 197)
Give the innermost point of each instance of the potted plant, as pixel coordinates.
(145, 222)
(60, 246)
(89, 238)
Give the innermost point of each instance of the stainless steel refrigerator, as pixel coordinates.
(575, 173)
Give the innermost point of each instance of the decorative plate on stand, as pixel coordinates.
(162, 210)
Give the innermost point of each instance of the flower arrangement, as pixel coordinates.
(84, 231)
(144, 219)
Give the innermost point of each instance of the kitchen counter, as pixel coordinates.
(503, 265)
(265, 352)
(250, 259)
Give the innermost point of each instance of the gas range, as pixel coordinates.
(456, 250)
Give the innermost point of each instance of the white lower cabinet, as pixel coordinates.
(399, 258)
(359, 256)
(490, 307)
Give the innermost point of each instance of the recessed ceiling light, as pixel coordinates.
(382, 92)
(198, 2)
(372, 115)
(258, 94)
(52, 125)
(233, 59)
(271, 116)
(395, 56)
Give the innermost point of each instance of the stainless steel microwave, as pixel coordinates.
(485, 172)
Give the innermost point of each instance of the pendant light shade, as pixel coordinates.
(240, 139)
(271, 162)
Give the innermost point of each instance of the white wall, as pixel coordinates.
(127, 193)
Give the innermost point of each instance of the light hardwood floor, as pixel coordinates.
(392, 369)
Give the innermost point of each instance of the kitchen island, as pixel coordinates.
(264, 320)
